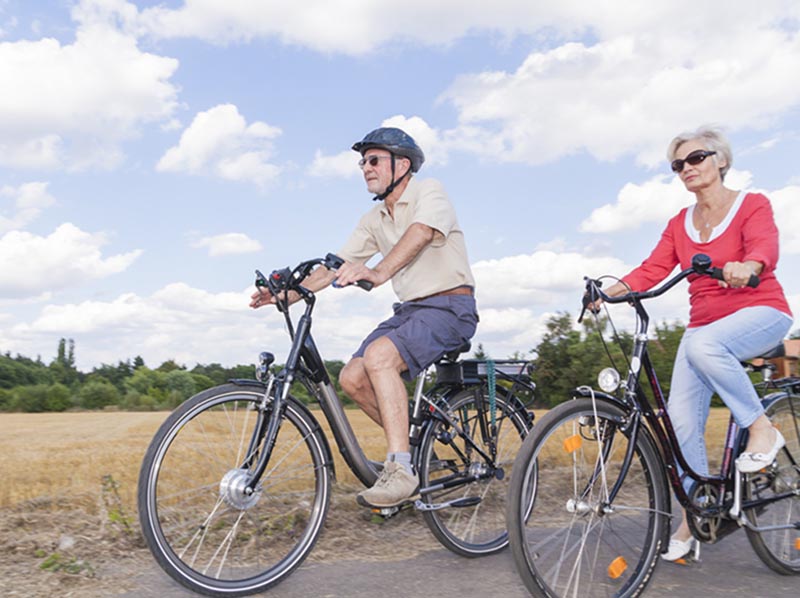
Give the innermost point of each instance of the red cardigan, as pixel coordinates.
(751, 235)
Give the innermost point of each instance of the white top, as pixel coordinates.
(694, 234)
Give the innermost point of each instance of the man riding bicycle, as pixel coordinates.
(424, 255)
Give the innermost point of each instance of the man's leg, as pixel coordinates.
(356, 384)
(383, 365)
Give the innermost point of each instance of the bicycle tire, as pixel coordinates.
(779, 550)
(202, 529)
(478, 529)
(571, 543)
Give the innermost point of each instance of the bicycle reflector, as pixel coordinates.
(608, 379)
(573, 443)
(617, 567)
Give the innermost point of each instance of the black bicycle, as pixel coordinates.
(235, 485)
(598, 470)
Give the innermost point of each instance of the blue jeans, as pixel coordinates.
(708, 362)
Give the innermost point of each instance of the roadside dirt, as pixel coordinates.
(87, 548)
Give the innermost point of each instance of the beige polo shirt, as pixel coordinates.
(440, 266)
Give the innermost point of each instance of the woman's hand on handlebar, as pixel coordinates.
(737, 274)
(615, 289)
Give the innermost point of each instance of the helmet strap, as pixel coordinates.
(393, 184)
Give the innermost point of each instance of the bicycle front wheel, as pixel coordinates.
(201, 525)
(576, 540)
(779, 549)
(475, 525)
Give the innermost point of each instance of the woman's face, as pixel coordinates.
(702, 175)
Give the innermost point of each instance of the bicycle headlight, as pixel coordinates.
(608, 379)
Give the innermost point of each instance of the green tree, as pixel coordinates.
(480, 353)
(38, 398)
(180, 385)
(63, 366)
(6, 400)
(553, 361)
(98, 393)
(58, 398)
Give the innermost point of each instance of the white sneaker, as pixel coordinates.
(753, 462)
(678, 549)
(394, 487)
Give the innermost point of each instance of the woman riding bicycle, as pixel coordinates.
(729, 322)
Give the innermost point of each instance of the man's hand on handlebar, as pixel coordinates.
(261, 298)
(350, 273)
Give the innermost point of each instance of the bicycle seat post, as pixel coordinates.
(415, 420)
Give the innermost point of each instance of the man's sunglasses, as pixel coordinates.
(693, 158)
(372, 161)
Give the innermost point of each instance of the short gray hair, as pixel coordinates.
(712, 139)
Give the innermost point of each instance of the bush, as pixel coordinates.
(98, 394)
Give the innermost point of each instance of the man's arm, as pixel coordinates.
(414, 240)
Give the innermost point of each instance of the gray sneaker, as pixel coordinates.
(394, 487)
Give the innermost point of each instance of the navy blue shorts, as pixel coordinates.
(423, 331)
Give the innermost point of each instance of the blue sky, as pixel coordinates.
(153, 154)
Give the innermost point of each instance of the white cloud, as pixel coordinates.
(228, 244)
(660, 198)
(73, 105)
(539, 278)
(656, 200)
(29, 199)
(786, 206)
(31, 265)
(341, 165)
(634, 88)
(345, 164)
(220, 140)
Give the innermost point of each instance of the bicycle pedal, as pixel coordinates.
(386, 512)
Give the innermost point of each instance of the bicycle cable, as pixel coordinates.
(615, 334)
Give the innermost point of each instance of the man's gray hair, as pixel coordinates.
(712, 139)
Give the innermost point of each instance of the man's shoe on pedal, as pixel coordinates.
(394, 487)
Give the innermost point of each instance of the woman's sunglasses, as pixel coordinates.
(693, 158)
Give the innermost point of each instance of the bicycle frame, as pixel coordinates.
(638, 405)
(305, 364)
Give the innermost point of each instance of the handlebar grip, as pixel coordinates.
(716, 273)
(365, 284)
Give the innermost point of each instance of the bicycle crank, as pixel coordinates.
(467, 501)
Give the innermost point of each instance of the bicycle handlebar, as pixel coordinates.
(287, 279)
(701, 265)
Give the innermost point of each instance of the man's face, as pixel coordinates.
(376, 165)
(377, 170)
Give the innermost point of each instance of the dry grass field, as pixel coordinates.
(68, 502)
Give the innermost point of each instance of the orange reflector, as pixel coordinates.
(573, 443)
(617, 567)
(681, 561)
(797, 543)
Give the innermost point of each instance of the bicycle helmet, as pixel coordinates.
(398, 143)
(395, 141)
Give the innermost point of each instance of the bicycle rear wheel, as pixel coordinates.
(574, 542)
(446, 457)
(779, 549)
(203, 529)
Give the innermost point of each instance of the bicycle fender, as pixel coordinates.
(587, 392)
(247, 382)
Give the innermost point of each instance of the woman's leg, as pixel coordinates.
(688, 405)
(715, 352)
